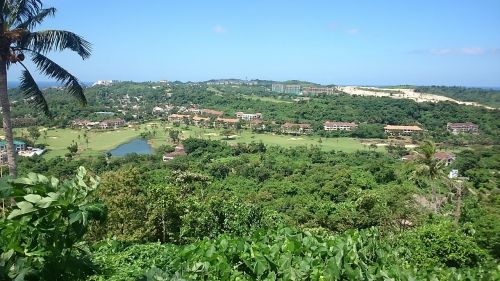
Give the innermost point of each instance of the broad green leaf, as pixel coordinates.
(33, 198)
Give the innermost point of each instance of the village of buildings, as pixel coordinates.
(210, 118)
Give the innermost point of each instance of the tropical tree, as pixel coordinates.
(429, 168)
(18, 38)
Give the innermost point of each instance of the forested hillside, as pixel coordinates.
(135, 101)
(489, 97)
(254, 212)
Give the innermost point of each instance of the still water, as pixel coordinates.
(139, 146)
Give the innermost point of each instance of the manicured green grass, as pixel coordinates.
(340, 144)
(268, 99)
(57, 140)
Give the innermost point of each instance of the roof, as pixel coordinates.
(211, 111)
(228, 120)
(174, 154)
(198, 118)
(333, 123)
(398, 127)
(16, 142)
(179, 115)
(444, 155)
(438, 155)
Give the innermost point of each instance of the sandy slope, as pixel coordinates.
(402, 94)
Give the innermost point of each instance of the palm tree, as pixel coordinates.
(18, 40)
(430, 168)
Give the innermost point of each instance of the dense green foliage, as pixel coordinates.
(371, 112)
(483, 96)
(42, 234)
(254, 212)
(283, 254)
(259, 212)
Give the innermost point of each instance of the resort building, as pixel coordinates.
(79, 123)
(446, 157)
(318, 90)
(198, 121)
(457, 128)
(296, 129)
(179, 150)
(158, 110)
(112, 124)
(178, 117)
(286, 89)
(397, 130)
(18, 145)
(211, 112)
(279, 88)
(226, 122)
(248, 116)
(339, 126)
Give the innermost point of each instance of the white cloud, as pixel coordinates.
(466, 51)
(352, 31)
(219, 29)
(441, 52)
(472, 51)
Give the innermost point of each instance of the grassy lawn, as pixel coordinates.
(340, 144)
(268, 99)
(57, 140)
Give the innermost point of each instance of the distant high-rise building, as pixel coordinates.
(104, 82)
(286, 89)
(292, 89)
(279, 88)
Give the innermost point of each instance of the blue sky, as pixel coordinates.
(329, 42)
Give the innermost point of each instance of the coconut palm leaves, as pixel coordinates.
(18, 40)
(429, 168)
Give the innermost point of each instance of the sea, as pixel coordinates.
(42, 84)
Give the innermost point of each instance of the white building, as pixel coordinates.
(248, 116)
(104, 82)
(342, 126)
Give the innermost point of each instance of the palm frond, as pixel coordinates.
(32, 92)
(19, 10)
(56, 40)
(34, 20)
(53, 70)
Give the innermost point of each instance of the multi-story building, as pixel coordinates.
(457, 128)
(292, 89)
(279, 88)
(397, 130)
(112, 124)
(342, 126)
(318, 90)
(248, 116)
(178, 117)
(198, 120)
(211, 112)
(104, 82)
(296, 129)
(286, 89)
(226, 122)
(18, 145)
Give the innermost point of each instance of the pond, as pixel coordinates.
(139, 146)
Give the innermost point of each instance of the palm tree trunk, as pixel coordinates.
(458, 206)
(7, 124)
